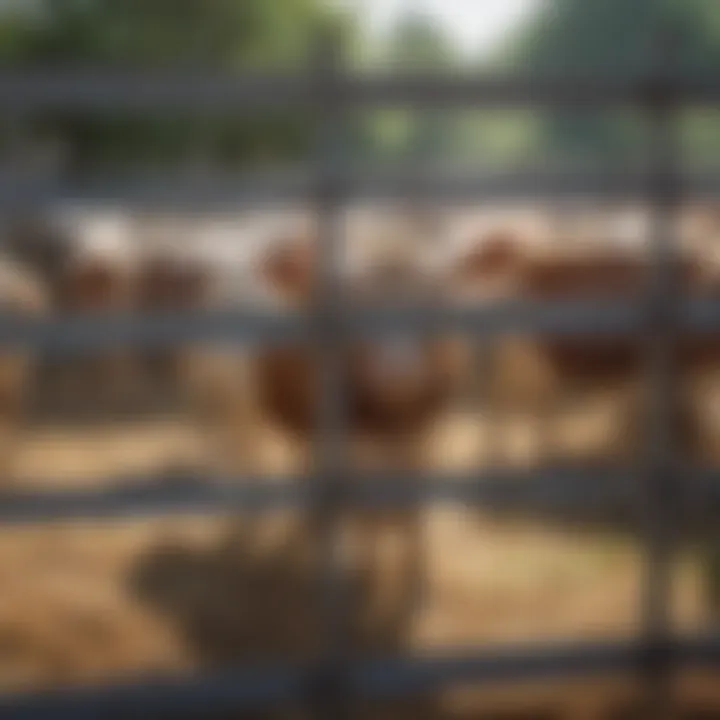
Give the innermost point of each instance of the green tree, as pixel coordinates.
(213, 34)
(614, 37)
(415, 42)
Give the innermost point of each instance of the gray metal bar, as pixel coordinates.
(296, 185)
(76, 334)
(104, 90)
(138, 497)
(661, 497)
(699, 652)
(92, 89)
(220, 692)
(581, 490)
(500, 664)
(429, 88)
(552, 488)
(83, 334)
(180, 191)
(382, 678)
(328, 696)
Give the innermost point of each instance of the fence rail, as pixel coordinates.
(372, 679)
(602, 493)
(76, 334)
(555, 488)
(298, 186)
(91, 89)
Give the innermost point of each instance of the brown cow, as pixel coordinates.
(539, 372)
(394, 386)
(396, 389)
(487, 271)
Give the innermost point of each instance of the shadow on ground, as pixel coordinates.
(250, 598)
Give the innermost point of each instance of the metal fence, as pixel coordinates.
(652, 488)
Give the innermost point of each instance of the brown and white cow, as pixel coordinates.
(396, 388)
(97, 278)
(538, 372)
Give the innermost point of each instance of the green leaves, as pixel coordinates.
(156, 34)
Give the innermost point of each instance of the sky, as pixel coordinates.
(477, 24)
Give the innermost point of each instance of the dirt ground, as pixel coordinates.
(89, 602)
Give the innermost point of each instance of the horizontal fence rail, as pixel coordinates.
(607, 494)
(81, 334)
(553, 488)
(298, 186)
(379, 679)
(103, 90)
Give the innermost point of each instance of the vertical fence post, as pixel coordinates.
(329, 697)
(661, 475)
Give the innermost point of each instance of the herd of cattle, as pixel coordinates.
(397, 387)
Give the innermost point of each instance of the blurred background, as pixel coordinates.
(127, 599)
(535, 36)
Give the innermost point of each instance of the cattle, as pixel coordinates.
(168, 283)
(95, 279)
(39, 242)
(483, 270)
(394, 385)
(396, 388)
(22, 295)
(613, 276)
(215, 378)
(542, 371)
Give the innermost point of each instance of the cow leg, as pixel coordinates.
(10, 436)
(499, 407)
(94, 382)
(526, 393)
(556, 405)
(162, 371)
(80, 383)
(364, 526)
(389, 547)
(366, 571)
(122, 378)
(416, 580)
(710, 554)
(229, 412)
(106, 371)
(389, 556)
(483, 379)
(14, 383)
(552, 399)
(234, 442)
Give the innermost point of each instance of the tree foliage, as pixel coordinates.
(582, 37)
(160, 34)
(616, 38)
(414, 43)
